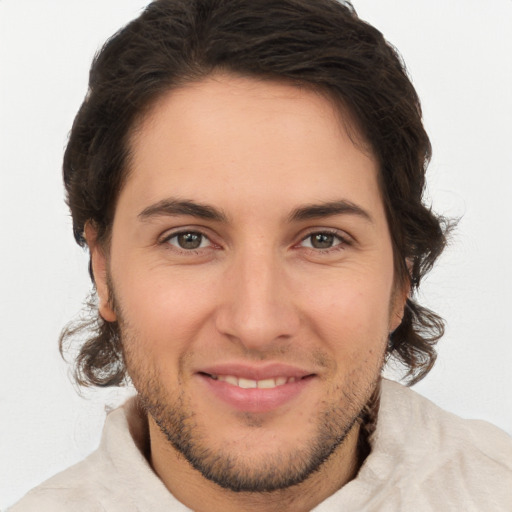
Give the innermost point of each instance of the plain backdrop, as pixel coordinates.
(458, 53)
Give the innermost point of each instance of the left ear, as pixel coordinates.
(400, 295)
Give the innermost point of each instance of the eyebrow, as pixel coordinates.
(327, 209)
(175, 207)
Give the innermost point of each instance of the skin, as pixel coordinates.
(258, 290)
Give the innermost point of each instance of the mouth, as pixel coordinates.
(244, 383)
(256, 390)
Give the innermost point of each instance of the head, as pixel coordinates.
(251, 78)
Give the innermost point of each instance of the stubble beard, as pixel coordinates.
(278, 471)
(237, 473)
(234, 470)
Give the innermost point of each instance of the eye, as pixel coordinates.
(189, 240)
(322, 240)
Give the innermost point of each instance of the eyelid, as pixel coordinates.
(344, 240)
(201, 246)
(164, 240)
(338, 233)
(172, 232)
(168, 235)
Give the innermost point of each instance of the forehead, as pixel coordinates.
(241, 141)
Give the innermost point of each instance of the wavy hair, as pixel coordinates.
(319, 44)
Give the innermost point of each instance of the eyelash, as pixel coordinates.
(343, 241)
(188, 252)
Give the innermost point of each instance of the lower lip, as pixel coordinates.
(255, 399)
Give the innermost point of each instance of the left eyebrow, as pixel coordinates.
(328, 209)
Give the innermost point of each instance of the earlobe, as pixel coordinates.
(401, 295)
(399, 304)
(99, 270)
(397, 317)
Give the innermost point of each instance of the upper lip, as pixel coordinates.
(254, 372)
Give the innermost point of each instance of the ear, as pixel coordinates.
(99, 264)
(400, 295)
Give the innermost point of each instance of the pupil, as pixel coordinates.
(189, 240)
(322, 241)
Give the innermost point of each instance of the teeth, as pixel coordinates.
(227, 378)
(252, 384)
(267, 384)
(232, 380)
(247, 383)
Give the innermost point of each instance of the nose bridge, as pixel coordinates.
(258, 308)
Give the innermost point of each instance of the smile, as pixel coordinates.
(252, 384)
(253, 390)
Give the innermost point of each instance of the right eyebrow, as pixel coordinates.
(173, 207)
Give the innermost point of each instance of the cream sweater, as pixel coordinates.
(422, 459)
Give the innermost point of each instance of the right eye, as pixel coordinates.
(188, 240)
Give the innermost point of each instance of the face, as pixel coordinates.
(251, 269)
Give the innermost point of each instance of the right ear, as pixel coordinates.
(99, 267)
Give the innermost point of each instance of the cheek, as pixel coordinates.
(350, 311)
(166, 309)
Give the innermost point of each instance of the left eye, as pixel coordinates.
(189, 240)
(321, 241)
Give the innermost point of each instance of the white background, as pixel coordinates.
(459, 56)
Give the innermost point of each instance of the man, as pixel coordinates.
(248, 177)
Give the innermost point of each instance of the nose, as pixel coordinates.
(257, 310)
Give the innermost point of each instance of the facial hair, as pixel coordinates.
(234, 470)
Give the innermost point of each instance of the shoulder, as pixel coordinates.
(438, 458)
(115, 478)
(100, 480)
(426, 425)
(76, 488)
